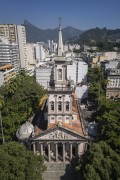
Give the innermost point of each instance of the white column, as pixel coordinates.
(56, 151)
(48, 110)
(63, 103)
(70, 151)
(63, 152)
(70, 110)
(49, 153)
(81, 148)
(63, 74)
(41, 148)
(78, 144)
(70, 103)
(55, 105)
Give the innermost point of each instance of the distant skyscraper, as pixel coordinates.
(39, 51)
(49, 44)
(54, 47)
(22, 45)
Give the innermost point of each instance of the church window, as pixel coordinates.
(67, 118)
(59, 106)
(59, 74)
(65, 73)
(52, 118)
(67, 105)
(59, 117)
(59, 97)
(52, 106)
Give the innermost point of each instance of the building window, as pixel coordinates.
(59, 106)
(52, 118)
(59, 74)
(59, 118)
(67, 118)
(52, 106)
(67, 105)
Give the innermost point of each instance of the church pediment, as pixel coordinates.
(59, 133)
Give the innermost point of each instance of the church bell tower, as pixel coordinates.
(60, 93)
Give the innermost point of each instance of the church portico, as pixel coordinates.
(63, 151)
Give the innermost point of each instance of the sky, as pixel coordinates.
(81, 14)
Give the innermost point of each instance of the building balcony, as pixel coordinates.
(55, 86)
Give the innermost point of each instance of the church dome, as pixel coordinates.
(25, 131)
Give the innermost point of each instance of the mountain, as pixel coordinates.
(98, 34)
(34, 34)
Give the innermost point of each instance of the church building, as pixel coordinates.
(64, 137)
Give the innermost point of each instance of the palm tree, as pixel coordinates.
(11, 87)
(1, 106)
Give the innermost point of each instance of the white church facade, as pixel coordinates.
(64, 137)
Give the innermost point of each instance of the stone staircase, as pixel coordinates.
(60, 171)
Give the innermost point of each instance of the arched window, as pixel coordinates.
(67, 105)
(52, 106)
(59, 106)
(59, 74)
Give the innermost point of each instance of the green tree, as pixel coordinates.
(18, 163)
(1, 123)
(100, 162)
(108, 118)
(21, 96)
(97, 85)
(105, 46)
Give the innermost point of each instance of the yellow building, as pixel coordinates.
(97, 59)
(9, 31)
(7, 72)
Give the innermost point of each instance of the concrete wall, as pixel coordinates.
(111, 55)
(71, 72)
(43, 75)
(82, 72)
(82, 92)
(1, 78)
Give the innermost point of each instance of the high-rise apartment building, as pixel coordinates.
(22, 45)
(16, 34)
(39, 52)
(9, 54)
(9, 31)
(30, 54)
